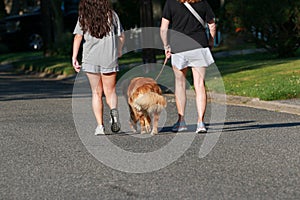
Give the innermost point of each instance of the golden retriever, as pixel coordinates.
(145, 101)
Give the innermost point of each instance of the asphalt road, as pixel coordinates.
(45, 155)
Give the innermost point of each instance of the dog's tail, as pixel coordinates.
(150, 102)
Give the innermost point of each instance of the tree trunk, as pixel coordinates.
(2, 9)
(15, 7)
(47, 26)
(53, 25)
(146, 12)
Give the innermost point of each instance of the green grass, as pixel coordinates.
(35, 62)
(257, 75)
(21, 56)
(131, 57)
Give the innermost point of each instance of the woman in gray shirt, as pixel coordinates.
(103, 36)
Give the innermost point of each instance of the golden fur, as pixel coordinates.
(145, 99)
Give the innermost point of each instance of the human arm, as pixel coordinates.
(121, 44)
(76, 45)
(212, 33)
(164, 36)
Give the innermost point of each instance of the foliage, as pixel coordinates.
(53, 25)
(2, 10)
(35, 62)
(129, 13)
(274, 24)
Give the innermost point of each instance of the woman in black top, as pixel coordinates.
(195, 54)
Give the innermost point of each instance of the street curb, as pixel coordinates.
(275, 106)
(254, 103)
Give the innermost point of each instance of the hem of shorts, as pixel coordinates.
(100, 72)
(204, 66)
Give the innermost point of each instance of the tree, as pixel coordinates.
(128, 11)
(137, 13)
(2, 9)
(53, 25)
(274, 24)
(15, 8)
(146, 13)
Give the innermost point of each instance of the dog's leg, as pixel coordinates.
(155, 123)
(148, 123)
(133, 126)
(133, 120)
(142, 123)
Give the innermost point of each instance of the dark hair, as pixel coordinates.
(95, 17)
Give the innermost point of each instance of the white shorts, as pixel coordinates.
(193, 58)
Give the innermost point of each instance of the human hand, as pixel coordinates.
(75, 64)
(167, 51)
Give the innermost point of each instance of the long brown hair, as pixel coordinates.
(95, 17)
(189, 1)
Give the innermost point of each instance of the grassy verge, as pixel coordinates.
(259, 75)
(34, 62)
(256, 75)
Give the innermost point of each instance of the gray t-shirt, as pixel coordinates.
(101, 52)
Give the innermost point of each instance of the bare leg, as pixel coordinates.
(109, 88)
(133, 119)
(180, 93)
(97, 90)
(199, 83)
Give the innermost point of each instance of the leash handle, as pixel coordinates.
(162, 68)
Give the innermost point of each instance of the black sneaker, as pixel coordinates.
(115, 122)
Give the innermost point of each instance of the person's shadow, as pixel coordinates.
(232, 126)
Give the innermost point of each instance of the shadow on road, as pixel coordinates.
(14, 87)
(228, 127)
(242, 125)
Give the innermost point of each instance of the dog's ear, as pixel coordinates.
(158, 90)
